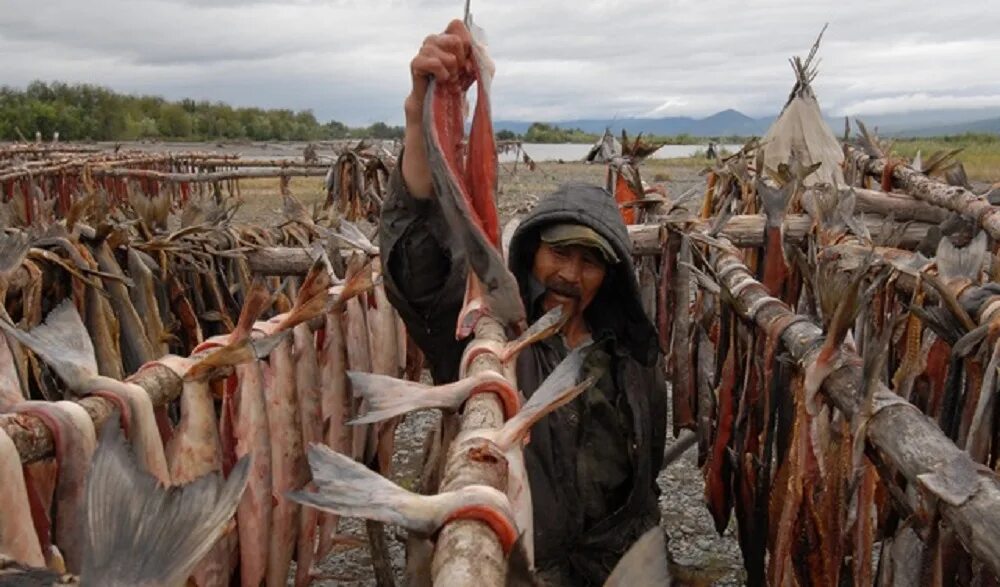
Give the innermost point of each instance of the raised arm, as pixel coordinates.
(442, 56)
(424, 272)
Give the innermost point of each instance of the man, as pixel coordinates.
(592, 464)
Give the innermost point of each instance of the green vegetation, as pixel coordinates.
(980, 152)
(83, 111)
(540, 132)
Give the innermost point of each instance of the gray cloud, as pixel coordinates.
(559, 59)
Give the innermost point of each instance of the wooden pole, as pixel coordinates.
(904, 436)
(932, 191)
(33, 439)
(467, 552)
(214, 175)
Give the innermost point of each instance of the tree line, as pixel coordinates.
(90, 112)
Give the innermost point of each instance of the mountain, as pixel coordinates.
(990, 125)
(733, 122)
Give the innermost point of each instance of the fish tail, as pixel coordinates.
(386, 396)
(775, 201)
(230, 355)
(316, 282)
(644, 564)
(257, 300)
(122, 546)
(961, 263)
(348, 488)
(13, 248)
(358, 282)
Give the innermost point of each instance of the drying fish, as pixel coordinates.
(549, 324)
(73, 433)
(644, 564)
(839, 299)
(288, 467)
(122, 546)
(307, 389)
(17, 531)
(348, 488)
(136, 348)
(388, 396)
(465, 187)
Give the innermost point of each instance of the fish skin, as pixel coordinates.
(465, 190)
(384, 353)
(11, 392)
(307, 385)
(288, 467)
(348, 488)
(102, 325)
(336, 407)
(359, 359)
(718, 471)
(122, 548)
(194, 451)
(253, 516)
(135, 346)
(18, 538)
(75, 441)
(143, 294)
(388, 397)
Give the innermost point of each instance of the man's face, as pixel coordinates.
(572, 275)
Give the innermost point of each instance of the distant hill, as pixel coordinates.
(734, 123)
(990, 126)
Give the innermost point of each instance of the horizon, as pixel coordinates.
(347, 60)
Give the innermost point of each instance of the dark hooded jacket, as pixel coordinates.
(592, 464)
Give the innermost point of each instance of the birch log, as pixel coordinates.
(932, 191)
(468, 552)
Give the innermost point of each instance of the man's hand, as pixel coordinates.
(446, 57)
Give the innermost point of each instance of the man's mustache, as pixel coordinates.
(563, 288)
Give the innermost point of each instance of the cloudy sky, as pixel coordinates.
(556, 59)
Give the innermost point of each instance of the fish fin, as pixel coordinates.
(473, 308)
(558, 389)
(386, 396)
(519, 571)
(232, 354)
(257, 300)
(961, 263)
(359, 281)
(644, 564)
(775, 200)
(140, 533)
(13, 249)
(552, 322)
(348, 488)
(62, 342)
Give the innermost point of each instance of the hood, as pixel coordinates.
(617, 307)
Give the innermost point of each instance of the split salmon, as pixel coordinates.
(683, 391)
(75, 441)
(307, 388)
(288, 467)
(465, 185)
(135, 346)
(143, 294)
(18, 538)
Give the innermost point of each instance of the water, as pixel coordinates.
(576, 152)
